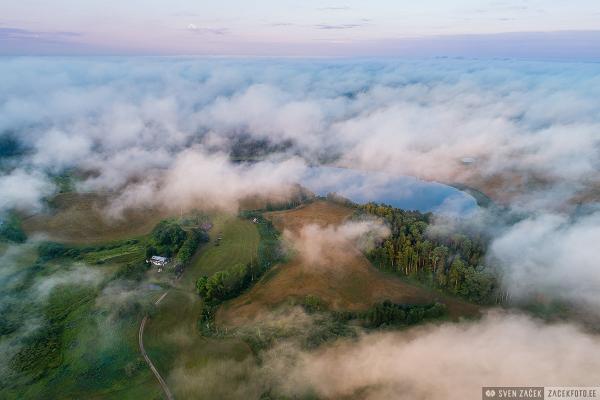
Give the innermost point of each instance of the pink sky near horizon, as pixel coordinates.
(300, 28)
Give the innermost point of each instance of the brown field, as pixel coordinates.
(346, 281)
(79, 218)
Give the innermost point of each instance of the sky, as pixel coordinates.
(513, 28)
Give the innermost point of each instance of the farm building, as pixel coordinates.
(158, 260)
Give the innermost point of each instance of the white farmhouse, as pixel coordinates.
(158, 260)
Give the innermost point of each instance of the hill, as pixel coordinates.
(348, 282)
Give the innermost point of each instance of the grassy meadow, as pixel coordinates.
(82, 311)
(78, 343)
(172, 337)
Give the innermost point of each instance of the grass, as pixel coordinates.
(239, 244)
(94, 355)
(97, 355)
(172, 337)
(81, 218)
(128, 252)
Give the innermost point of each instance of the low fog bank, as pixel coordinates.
(448, 361)
(444, 361)
(552, 255)
(211, 181)
(330, 246)
(128, 123)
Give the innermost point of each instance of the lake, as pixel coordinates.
(404, 192)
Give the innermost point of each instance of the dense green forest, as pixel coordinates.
(448, 261)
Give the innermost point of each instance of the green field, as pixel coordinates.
(172, 338)
(87, 345)
(239, 244)
(84, 344)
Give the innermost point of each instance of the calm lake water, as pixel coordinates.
(399, 191)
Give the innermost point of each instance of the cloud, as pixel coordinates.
(160, 132)
(551, 255)
(404, 118)
(57, 150)
(7, 34)
(24, 190)
(330, 246)
(449, 361)
(79, 275)
(338, 26)
(201, 180)
(200, 30)
(334, 8)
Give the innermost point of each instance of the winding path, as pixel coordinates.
(162, 382)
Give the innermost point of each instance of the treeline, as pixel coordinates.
(194, 238)
(334, 197)
(449, 261)
(223, 285)
(382, 314)
(300, 197)
(391, 314)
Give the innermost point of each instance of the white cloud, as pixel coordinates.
(449, 361)
(550, 254)
(23, 190)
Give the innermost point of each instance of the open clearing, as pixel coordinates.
(172, 338)
(238, 245)
(352, 284)
(80, 218)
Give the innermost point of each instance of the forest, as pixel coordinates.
(451, 262)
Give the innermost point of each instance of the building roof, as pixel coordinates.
(158, 258)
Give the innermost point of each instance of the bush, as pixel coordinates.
(51, 250)
(168, 233)
(388, 313)
(313, 304)
(10, 230)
